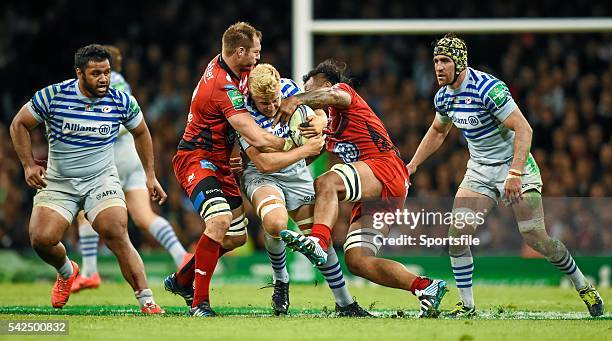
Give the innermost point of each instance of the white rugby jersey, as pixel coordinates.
(81, 130)
(478, 108)
(288, 89)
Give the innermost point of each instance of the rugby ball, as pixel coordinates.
(297, 119)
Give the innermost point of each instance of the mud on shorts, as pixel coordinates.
(69, 195)
(489, 179)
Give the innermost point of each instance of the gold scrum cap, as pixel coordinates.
(455, 48)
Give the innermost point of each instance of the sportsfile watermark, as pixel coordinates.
(423, 240)
(34, 327)
(410, 219)
(432, 225)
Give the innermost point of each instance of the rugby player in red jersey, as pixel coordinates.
(201, 164)
(372, 170)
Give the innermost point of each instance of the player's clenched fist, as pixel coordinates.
(314, 145)
(35, 174)
(156, 191)
(512, 187)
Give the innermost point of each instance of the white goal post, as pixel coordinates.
(305, 27)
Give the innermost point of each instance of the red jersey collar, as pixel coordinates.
(227, 69)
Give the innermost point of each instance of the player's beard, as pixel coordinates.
(92, 89)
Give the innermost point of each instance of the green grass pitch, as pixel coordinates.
(505, 312)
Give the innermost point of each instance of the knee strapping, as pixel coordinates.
(352, 183)
(238, 226)
(303, 222)
(531, 225)
(268, 204)
(370, 239)
(214, 207)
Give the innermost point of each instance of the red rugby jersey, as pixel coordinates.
(218, 96)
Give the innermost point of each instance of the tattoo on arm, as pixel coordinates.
(326, 97)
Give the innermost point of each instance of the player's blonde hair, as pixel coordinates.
(264, 81)
(240, 34)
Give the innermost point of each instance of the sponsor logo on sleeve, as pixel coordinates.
(498, 94)
(134, 108)
(236, 98)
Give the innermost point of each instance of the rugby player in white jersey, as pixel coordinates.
(133, 181)
(82, 118)
(279, 186)
(500, 167)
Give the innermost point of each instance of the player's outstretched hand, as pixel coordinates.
(156, 191)
(512, 189)
(286, 109)
(35, 175)
(315, 127)
(313, 146)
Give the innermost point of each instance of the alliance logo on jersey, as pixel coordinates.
(77, 127)
(472, 120)
(85, 127)
(104, 129)
(347, 151)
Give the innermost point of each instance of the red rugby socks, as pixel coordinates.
(419, 283)
(323, 233)
(206, 257)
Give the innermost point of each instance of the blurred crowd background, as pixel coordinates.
(561, 82)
